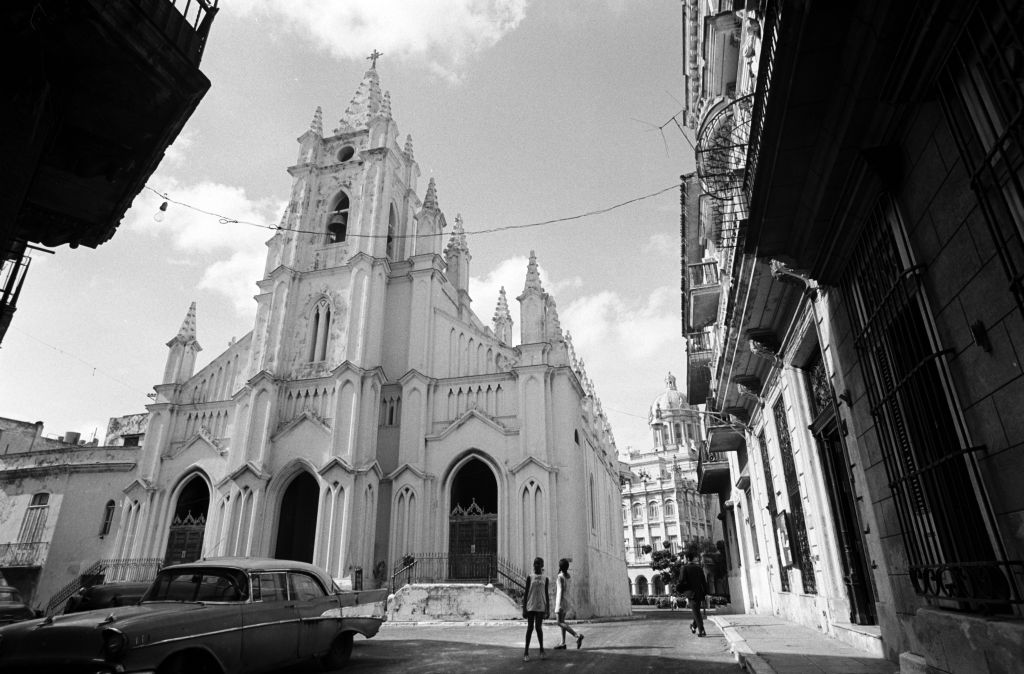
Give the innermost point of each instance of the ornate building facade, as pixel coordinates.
(660, 501)
(370, 414)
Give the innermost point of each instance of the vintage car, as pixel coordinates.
(12, 607)
(217, 615)
(106, 595)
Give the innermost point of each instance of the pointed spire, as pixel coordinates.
(365, 104)
(503, 319)
(408, 145)
(317, 125)
(457, 242)
(187, 332)
(430, 200)
(532, 275)
(385, 110)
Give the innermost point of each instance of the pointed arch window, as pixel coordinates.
(320, 326)
(392, 228)
(337, 221)
(108, 517)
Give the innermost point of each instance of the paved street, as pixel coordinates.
(660, 643)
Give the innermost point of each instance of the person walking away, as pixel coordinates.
(673, 602)
(695, 582)
(536, 607)
(562, 603)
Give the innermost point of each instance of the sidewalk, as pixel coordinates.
(765, 644)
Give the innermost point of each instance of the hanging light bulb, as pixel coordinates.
(159, 215)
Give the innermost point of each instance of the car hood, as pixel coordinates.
(119, 617)
(81, 634)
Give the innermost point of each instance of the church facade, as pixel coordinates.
(370, 415)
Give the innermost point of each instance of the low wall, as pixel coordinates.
(451, 602)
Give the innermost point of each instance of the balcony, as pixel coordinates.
(23, 554)
(725, 438)
(712, 473)
(705, 293)
(699, 355)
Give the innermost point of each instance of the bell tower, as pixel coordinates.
(352, 214)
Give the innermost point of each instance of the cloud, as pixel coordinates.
(198, 238)
(511, 274)
(443, 34)
(661, 244)
(628, 344)
(236, 279)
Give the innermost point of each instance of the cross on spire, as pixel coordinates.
(372, 58)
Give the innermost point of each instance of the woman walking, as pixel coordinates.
(562, 603)
(536, 607)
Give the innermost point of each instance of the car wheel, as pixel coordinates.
(189, 663)
(341, 651)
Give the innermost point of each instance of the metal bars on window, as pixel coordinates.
(772, 509)
(798, 531)
(933, 478)
(982, 91)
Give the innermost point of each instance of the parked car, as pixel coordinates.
(12, 607)
(212, 616)
(106, 595)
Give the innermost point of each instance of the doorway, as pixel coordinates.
(473, 523)
(296, 524)
(840, 485)
(188, 525)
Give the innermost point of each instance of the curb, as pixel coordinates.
(499, 623)
(745, 655)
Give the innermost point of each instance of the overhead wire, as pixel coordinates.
(224, 219)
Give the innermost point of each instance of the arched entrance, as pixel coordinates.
(185, 539)
(296, 525)
(641, 586)
(473, 523)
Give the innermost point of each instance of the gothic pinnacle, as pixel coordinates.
(501, 311)
(385, 110)
(532, 275)
(317, 125)
(408, 145)
(430, 200)
(188, 326)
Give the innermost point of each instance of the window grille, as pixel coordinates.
(752, 521)
(946, 525)
(772, 509)
(982, 91)
(798, 528)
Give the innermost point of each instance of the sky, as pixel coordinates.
(522, 111)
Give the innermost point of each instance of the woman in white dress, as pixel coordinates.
(562, 603)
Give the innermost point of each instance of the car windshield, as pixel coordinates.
(213, 585)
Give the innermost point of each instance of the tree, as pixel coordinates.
(668, 564)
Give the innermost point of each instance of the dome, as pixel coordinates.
(670, 399)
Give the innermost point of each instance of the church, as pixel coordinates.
(370, 416)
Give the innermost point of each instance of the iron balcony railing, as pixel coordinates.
(24, 554)
(186, 23)
(770, 27)
(124, 570)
